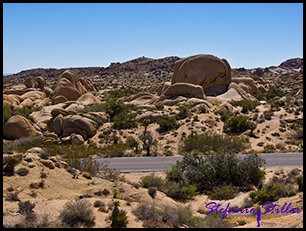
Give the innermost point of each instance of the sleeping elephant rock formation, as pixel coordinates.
(208, 71)
(69, 86)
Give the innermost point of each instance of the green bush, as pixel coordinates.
(113, 107)
(97, 107)
(166, 123)
(152, 181)
(269, 148)
(124, 121)
(24, 111)
(222, 168)
(171, 188)
(176, 217)
(83, 163)
(114, 150)
(247, 105)
(7, 112)
(225, 192)
(132, 143)
(237, 124)
(272, 92)
(76, 213)
(208, 141)
(272, 192)
(184, 112)
(179, 192)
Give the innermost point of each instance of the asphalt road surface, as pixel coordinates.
(158, 164)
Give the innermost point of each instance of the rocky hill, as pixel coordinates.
(145, 72)
(127, 73)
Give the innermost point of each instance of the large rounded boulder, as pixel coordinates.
(16, 127)
(204, 70)
(69, 86)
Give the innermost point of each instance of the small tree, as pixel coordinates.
(146, 137)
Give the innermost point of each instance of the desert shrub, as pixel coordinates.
(179, 192)
(152, 191)
(84, 163)
(221, 168)
(151, 181)
(246, 104)
(22, 171)
(76, 213)
(145, 212)
(272, 92)
(12, 196)
(272, 192)
(184, 112)
(25, 111)
(7, 112)
(98, 203)
(173, 189)
(169, 216)
(175, 174)
(269, 148)
(178, 216)
(97, 107)
(237, 124)
(114, 150)
(166, 123)
(299, 181)
(9, 165)
(124, 121)
(214, 220)
(156, 224)
(222, 193)
(113, 107)
(132, 143)
(25, 207)
(37, 185)
(211, 141)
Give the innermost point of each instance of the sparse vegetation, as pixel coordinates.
(220, 168)
(166, 123)
(272, 192)
(181, 191)
(208, 141)
(210, 165)
(175, 217)
(247, 105)
(225, 192)
(237, 124)
(77, 213)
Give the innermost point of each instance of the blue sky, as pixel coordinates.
(60, 35)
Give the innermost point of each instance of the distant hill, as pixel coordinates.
(136, 68)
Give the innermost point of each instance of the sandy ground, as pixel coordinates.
(60, 187)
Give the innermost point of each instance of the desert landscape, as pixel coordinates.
(56, 121)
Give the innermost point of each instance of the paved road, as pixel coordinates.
(144, 164)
